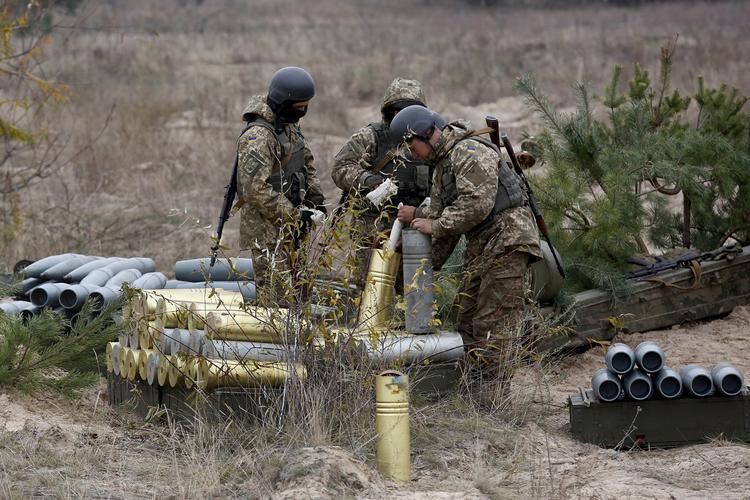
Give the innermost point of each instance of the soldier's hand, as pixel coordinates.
(424, 226)
(406, 213)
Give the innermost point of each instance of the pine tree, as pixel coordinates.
(607, 191)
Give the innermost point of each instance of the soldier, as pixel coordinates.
(476, 194)
(277, 182)
(369, 157)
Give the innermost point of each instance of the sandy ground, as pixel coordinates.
(63, 448)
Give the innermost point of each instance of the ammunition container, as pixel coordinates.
(697, 381)
(225, 373)
(606, 385)
(727, 379)
(376, 304)
(392, 424)
(649, 357)
(620, 358)
(668, 383)
(637, 385)
(418, 280)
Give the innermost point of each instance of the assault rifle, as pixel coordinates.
(495, 137)
(230, 192)
(656, 267)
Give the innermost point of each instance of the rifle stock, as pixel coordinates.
(496, 139)
(230, 192)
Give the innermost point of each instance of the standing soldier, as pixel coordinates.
(475, 193)
(277, 183)
(369, 157)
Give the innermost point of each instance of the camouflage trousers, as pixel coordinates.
(490, 311)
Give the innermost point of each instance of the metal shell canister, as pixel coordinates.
(392, 424)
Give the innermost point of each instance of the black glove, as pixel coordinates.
(323, 209)
(306, 222)
(373, 181)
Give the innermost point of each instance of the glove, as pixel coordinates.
(372, 181)
(382, 193)
(306, 220)
(323, 209)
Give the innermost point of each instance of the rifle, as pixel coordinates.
(230, 192)
(657, 267)
(495, 137)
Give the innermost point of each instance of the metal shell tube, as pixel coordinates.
(150, 297)
(392, 424)
(124, 362)
(150, 281)
(668, 383)
(142, 360)
(117, 357)
(728, 379)
(637, 385)
(255, 325)
(620, 358)
(197, 341)
(35, 269)
(418, 280)
(376, 304)
(246, 351)
(197, 312)
(59, 270)
(222, 270)
(649, 356)
(108, 356)
(546, 280)
(177, 369)
(226, 373)
(124, 276)
(103, 274)
(172, 313)
(162, 374)
(30, 283)
(152, 367)
(10, 308)
(46, 295)
(412, 349)
(73, 296)
(180, 340)
(697, 381)
(27, 310)
(82, 271)
(102, 297)
(606, 385)
(132, 358)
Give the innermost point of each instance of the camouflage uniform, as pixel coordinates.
(269, 214)
(501, 243)
(363, 155)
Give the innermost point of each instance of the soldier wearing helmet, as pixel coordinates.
(277, 182)
(370, 157)
(476, 194)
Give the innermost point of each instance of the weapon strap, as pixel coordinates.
(240, 200)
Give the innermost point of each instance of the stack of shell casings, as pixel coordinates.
(642, 374)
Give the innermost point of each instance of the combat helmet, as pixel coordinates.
(288, 86)
(415, 122)
(400, 94)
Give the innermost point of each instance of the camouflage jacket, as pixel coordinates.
(474, 166)
(260, 155)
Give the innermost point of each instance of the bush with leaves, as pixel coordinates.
(49, 352)
(607, 191)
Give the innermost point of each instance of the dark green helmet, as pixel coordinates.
(290, 84)
(415, 122)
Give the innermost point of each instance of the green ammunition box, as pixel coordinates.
(659, 423)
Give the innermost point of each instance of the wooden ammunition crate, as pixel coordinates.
(659, 423)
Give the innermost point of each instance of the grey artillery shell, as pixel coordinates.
(179, 340)
(649, 357)
(418, 280)
(150, 281)
(246, 351)
(668, 383)
(59, 270)
(47, 294)
(606, 385)
(103, 296)
(30, 283)
(36, 269)
(171, 284)
(620, 358)
(81, 272)
(546, 280)
(73, 296)
(222, 270)
(12, 308)
(727, 379)
(443, 346)
(697, 381)
(102, 275)
(637, 385)
(124, 276)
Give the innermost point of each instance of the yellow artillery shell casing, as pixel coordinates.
(124, 362)
(213, 373)
(190, 372)
(172, 313)
(376, 305)
(151, 297)
(108, 355)
(197, 312)
(134, 360)
(152, 367)
(162, 375)
(176, 374)
(143, 363)
(256, 325)
(392, 425)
